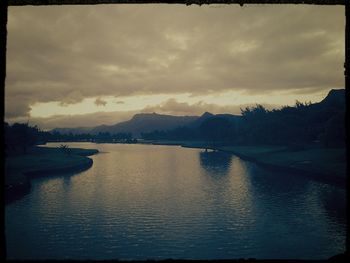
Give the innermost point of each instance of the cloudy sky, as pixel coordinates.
(70, 66)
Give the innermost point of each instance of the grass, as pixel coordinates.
(325, 161)
(254, 151)
(74, 151)
(162, 142)
(192, 144)
(43, 159)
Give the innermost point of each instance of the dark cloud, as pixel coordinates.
(14, 109)
(68, 53)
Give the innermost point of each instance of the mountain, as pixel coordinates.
(335, 98)
(146, 122)
(333, 103)
(232, 118)
(208, 115)
(196, 123)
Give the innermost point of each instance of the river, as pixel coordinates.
(157, 202)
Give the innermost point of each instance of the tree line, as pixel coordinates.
(87, 137)
(20, 137)
(296, 126)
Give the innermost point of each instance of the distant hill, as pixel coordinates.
(148, 122)
(335, 98)
(334, 102)
(208, 116)
(197, 122)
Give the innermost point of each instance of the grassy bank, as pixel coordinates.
(189, 144)
(42, 161)
(321, 163)
(326, 164)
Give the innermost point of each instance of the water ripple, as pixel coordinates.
(144, 202)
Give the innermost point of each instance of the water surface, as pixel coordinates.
(156, 202)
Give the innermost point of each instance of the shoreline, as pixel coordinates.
(326, 165)
(326, 178)
(329, 178)
(21, 184)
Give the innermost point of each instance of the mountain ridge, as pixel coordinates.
(147, 122)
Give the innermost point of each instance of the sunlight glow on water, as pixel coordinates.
(145, 201)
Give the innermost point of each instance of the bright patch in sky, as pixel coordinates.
(138, 103)
(88, 105)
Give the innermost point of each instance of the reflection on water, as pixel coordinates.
(334, 204)
(216, 163)
(146, 201)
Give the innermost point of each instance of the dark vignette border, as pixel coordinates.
(3, 36)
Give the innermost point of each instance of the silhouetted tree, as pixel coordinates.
(216, 129)
(65, 149)
(334, 131)
(20, 136)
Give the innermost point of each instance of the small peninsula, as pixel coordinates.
(42, 161)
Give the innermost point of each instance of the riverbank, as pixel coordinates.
(325, 164)
(41, 161)
(328, 165)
